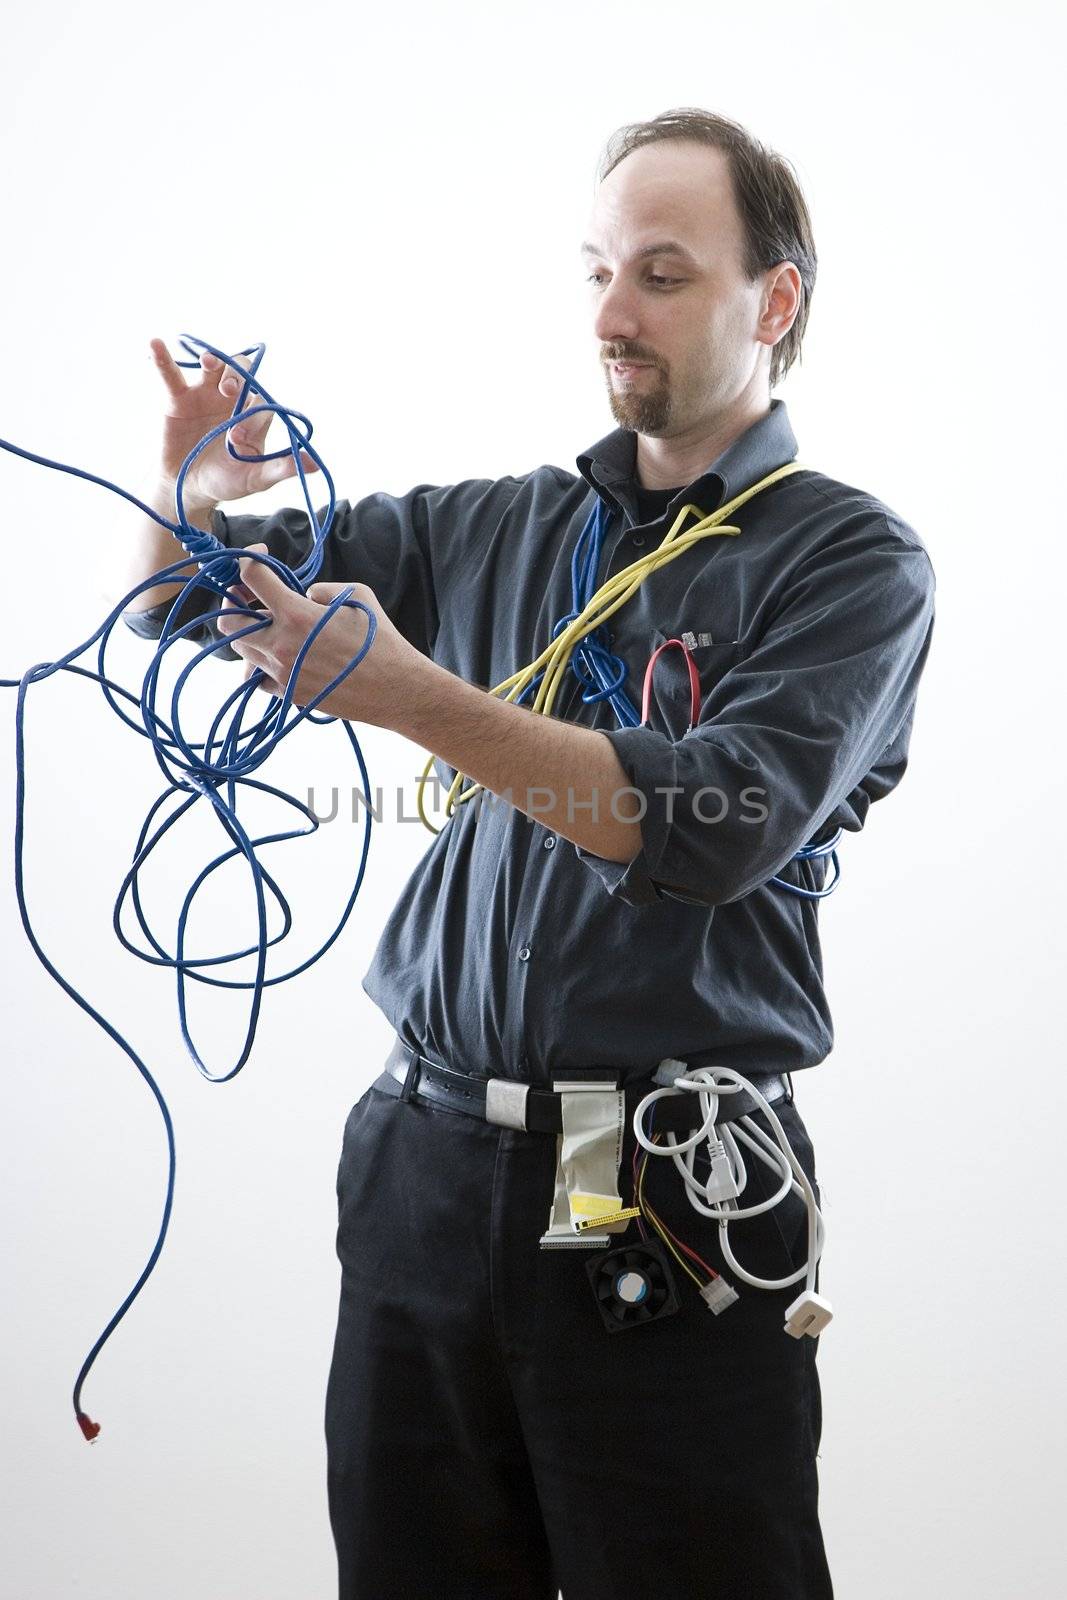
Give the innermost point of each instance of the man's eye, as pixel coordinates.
(652, 278)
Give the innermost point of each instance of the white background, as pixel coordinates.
(392, 198)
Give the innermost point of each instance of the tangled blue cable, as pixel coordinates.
(602, 674)
(212, 770)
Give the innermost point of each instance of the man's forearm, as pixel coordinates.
(568, 778)
(150, 548)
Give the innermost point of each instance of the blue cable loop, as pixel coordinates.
(812, 852)
(598, 669)
(213, 769)
(595, 663)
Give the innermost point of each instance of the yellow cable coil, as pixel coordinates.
(614, 593)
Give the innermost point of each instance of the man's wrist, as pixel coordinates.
(417, 711)
(167, 490)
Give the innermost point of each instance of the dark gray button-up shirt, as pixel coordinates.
(513, 952)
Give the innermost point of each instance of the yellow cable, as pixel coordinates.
(612, 594)
(642, 1208)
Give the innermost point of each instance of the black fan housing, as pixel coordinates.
(632, 1285)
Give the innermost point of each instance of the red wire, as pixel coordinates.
(634, 1201)
(694, 681)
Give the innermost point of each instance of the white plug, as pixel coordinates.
(809, 1313)
(718, 1294)
(721, 1184)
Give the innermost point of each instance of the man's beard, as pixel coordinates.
(644, 410)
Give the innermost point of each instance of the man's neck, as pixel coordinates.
(672, 463)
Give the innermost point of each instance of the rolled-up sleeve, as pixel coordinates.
(787, 734)
(381, 540)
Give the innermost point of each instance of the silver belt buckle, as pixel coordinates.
(505, 1103)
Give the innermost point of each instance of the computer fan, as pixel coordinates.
(633, 1285)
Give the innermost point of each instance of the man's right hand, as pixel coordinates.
(193, 409)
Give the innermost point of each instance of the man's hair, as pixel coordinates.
(774, 214)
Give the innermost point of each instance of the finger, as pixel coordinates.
(245, 597)
(215, 372)
(276, 471)
(230, 381)
(244, 438)
(264, 584)
(264, 680)
(234, 613)
(230, 620)
(250, 437)
(255, 429)
(268, 684)
(167, 367)
(251, 657)
(234, 622)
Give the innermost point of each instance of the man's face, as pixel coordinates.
(687, 318)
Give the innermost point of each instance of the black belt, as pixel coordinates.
(514, 1104)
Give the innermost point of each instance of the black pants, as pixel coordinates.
(489, 1439)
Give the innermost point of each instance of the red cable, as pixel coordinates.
(694, 682)
(644, 1206)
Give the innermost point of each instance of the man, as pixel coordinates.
(486, 1435)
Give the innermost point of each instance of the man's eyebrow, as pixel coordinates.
(664, 247)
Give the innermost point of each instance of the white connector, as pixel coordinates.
(721, 1184)
(718, 1294)
(808, 1314)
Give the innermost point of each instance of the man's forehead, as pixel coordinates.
(675, 199)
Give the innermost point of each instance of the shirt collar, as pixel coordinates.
(768, 443)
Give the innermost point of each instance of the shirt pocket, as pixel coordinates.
(670, 703)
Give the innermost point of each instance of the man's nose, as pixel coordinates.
(616, 314)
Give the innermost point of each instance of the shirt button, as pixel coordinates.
(524, 953)
(638, 539)
(550, 842)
